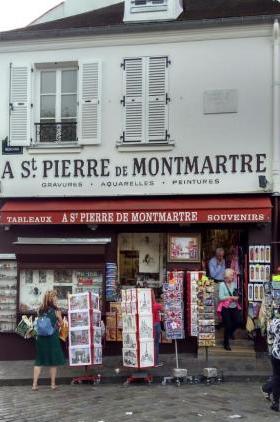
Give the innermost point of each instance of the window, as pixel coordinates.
(55, 103)
(58, 106)
(145, 100)
(152, 10)
(148, 5)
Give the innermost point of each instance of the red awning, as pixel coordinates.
(137, 211)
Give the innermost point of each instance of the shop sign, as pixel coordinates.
(46, 176)
(137, 217)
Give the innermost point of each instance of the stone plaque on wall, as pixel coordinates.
(220, 101)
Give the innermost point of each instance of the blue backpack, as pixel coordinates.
(44, 326)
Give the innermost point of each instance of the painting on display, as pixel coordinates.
(146, 327)
(184, 247)
(80, 355)
(144, 297)
(146, 353)
(79, 337)
(130, 358)
(79, 319)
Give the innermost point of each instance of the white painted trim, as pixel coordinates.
(8, 256)
(61, 149)
(157, 37)
(61, 241)
(145, 147)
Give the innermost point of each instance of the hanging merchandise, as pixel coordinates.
(174, 305)
(138, 332)
(111, 281)
(8, 295)
(85, 337)
(259, 271)
(193, 278)
(206, 312)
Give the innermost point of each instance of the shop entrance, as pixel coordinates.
(235, 244)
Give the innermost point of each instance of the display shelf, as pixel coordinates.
(8, 296)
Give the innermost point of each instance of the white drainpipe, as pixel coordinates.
(276, 110)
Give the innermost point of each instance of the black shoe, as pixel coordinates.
(275, 406)
(227, 347)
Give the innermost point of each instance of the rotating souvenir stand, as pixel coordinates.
(201, 309)
(138, 332)
(85, 338)
(173, 292)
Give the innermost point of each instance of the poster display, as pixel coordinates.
(174, 305)
(35, 283)
(85, 336)
(111, 281)
(193, 278)
(8, 295)
(206, 312)
(137, 328)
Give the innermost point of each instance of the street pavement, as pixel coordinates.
(136, 403)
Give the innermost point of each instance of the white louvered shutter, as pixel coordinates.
(89, 122)
(133, 100)
(157, 100)
(20, 106)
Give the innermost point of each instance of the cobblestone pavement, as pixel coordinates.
(137, 403)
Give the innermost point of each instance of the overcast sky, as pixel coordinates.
(18, 13)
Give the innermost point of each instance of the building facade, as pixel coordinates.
(122, 141)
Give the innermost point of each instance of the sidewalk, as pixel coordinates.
(18, 373)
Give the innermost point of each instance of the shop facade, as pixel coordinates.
(143, 163)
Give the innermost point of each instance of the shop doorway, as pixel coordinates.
(235, 245)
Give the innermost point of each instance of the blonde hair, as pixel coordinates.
(228, 273)
(48, 301)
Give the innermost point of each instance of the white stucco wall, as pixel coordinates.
(241, 63)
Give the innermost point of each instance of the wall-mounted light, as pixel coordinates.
(263, 182)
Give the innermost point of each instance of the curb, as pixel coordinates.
(246, 378)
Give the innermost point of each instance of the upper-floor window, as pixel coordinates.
(148, 5)
(58, 106)
(55, 103)
(145, 100)
(149, 10)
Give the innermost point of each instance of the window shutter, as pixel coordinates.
(157, 107)
(89, 123)
(20, 106)
(133, 100)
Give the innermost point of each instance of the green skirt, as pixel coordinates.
(49, 351)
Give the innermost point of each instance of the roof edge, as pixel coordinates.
(136, 28)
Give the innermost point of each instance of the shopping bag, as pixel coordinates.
(64, 330)
(25, 327)
(250, 326)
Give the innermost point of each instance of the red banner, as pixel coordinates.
(155, 216)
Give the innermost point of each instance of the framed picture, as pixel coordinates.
(184, 247)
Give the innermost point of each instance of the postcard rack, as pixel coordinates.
(138, 332)
(85, 336)
(8, 295)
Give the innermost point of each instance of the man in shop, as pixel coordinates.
(217, 266)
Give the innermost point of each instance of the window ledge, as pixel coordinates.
(54, 149)
(145, 147)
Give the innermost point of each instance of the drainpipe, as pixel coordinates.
(276, 141)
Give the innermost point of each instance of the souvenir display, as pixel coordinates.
(259, 271)
(8, 295)
(35, 283)
(111, 326)
(193, 278)
(111, 281)
(206, 312)
(137, 328)
(174, 305)
(85, 336)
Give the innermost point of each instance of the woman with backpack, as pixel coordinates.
(48, 349)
